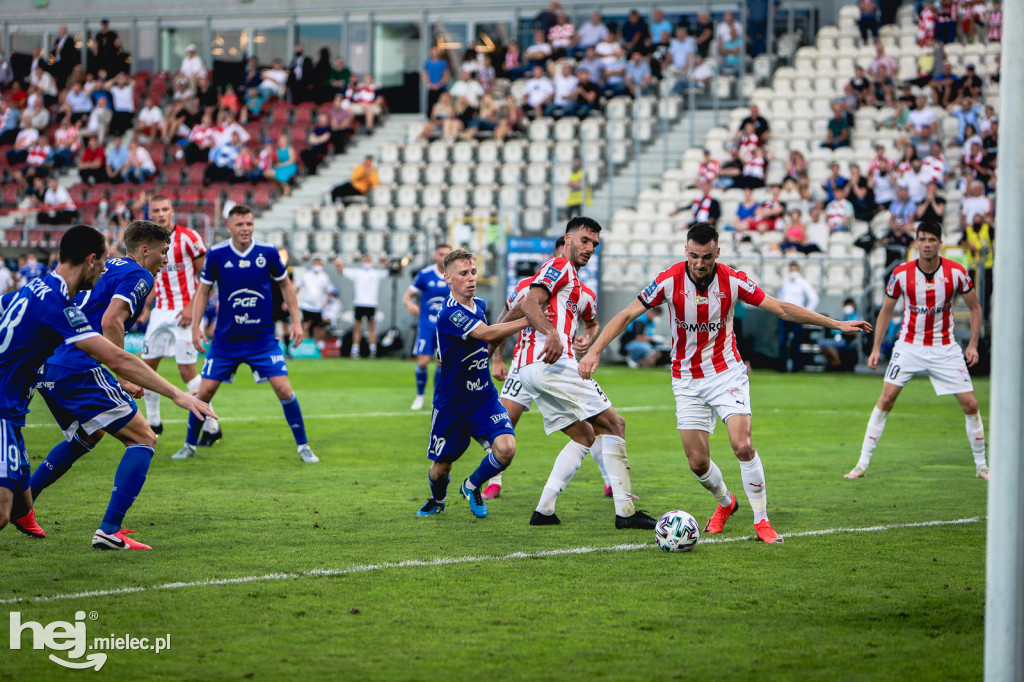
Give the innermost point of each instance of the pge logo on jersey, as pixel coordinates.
(72, 638)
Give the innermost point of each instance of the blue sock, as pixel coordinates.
(63, 455)
(195, 426)
(439, 488)
(293, 413)
(488, 469)
(128, 481)
(421, 380)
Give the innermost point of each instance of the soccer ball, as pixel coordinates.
(677, 531)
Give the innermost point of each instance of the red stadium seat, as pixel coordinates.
(239, 194)
(13, 236)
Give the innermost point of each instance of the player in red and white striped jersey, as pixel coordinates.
(709, 376)
(547, 368)
(928, 286)
(168, 331)
(514, 397)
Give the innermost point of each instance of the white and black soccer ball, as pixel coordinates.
(677, 531)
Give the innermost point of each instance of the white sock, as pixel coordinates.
(152, 399)
(617, 465)
(566, 465)
(495, 481)
(753, 485)
(597, 452)
(211, 425)
(714, 483)
(876, 425)
(193, 385)
(976, 435)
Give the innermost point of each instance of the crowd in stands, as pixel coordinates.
(111, 127)
(889, 193)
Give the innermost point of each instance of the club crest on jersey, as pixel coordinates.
(261, 262)
(76, 318)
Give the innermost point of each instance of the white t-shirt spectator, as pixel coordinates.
(470, 89)
(366, 281)
(124, 98)
(914, 182)
(193, 66)
(921, 117)
(591, 34)
(151, 116)
(797, 290)
(817, 233)
(723, 34)
(59, 197)
(143, 160)
(313, 288)
(565, 87)
(885, 188)
(972, 206)
(274, 79)
(608, 51)
(537, 90)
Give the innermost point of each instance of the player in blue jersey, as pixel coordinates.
(87, 401)
(432, 289)
(37, 320)
(466, 404)
(244, 271)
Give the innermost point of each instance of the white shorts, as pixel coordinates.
(514, 390)
(562, 396)
(945, 365)
(698, 401)
(165, 338)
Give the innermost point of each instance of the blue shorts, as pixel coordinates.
(265, 359)
(426, 340)
(90, 400)
(450, 431)
(15, 471)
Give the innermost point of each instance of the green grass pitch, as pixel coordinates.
(265, 567)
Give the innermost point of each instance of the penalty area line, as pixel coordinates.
(442, 561)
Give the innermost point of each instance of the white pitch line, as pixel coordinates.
(427, 413)
(441, 561)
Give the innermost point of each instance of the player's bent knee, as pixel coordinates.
(745, 452)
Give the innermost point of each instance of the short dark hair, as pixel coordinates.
(240, 209)
(458, 254)
(702, 233)
(582, 222)
(560, 242)
(931, 227)
(80, 241)
(144, 232)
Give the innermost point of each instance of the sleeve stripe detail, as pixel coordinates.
(79, 337)
(131, 304)
(470, 330)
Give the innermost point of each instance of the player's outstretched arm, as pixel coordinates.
(134, 369)
(532, 308)
(291, 299)
(794, 313)
(201, 298)
(616, 326)
(974, 306)
(113, 323)
(494, 332)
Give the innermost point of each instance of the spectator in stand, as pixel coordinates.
(971, 83)
(839, 212)
(435, 74)
(45, 84)
(192, 66)
(466, 92)
(795, 290)
(560, 36)
(896, 241)
(486, 73)
(914, 180)
(768, 216)
(704, 34)
(38, 162)
(908, 154)
(834, 181)
(635, 33)
(207, 93)
(848, 102)
(487, 118)
(639, 79)
(122, 92)
(365, 101)
(364, 178)
(761, 127)
(796, 233)
(882, 181)
(323, 92)
(589, 35)
(882, 85)
(36, 116)
(836, 344)
(994, 21)
(868, 23)
(443, 119)
(660, 25)
(92, 167)
(222, 161)
(342, 124)
(23, 142)
(659, 54)
(546, 18)
(252, 76)
(593, 65)
(66, 142)
(245, 168)
(704, 208)
(537, 54)
(200, 140)
(754, 167)
(746, 211)
(58, 208)
(796, 165)
(140, 166)
(609, 50)
(254, 106)
(229, 101)
(150, 122)
(317, 144)
(300, 77)
(731, 50)
(861, 195)
(64, 56)
(680, 53)
(934, 166)
(538, 93)
(979, 237)
(975, 203)
(945, 86)
(116, 159)
(709, 169)
(966, 112)
(862, 87)
(921, 115)
(615, 76)
(274, 80)
(6, 73)
(285, 164)
(725, 29)
(564, 82)
(816, 232)
(77, 104)
(945, 22)
(838, 132)
(933, 208)
(104, 49)
(10, 123)
(511, 119)
(882, 59)
(902, 207)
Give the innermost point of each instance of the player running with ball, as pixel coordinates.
(708, 375)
